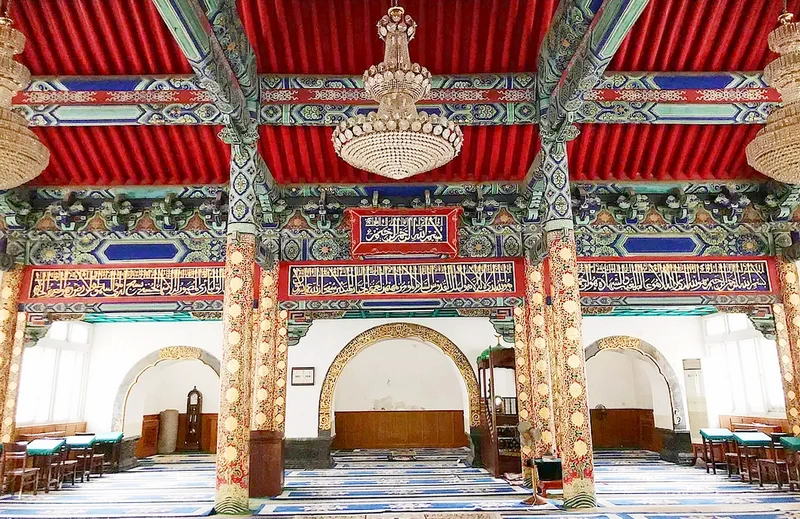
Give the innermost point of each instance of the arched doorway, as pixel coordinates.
(405, 333)
(156, 369)
(630, 383)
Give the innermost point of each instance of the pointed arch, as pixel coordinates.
(397, 331)
(624, 342)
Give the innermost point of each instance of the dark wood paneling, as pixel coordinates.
(399, 429)
(148, 443)
(623, 428)
(765, 425)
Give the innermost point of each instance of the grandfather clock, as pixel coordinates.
(194, 411)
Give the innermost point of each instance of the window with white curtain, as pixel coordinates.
(53, 377)
(743, 372)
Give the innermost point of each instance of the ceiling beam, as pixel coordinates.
(493, 99)
(193, 32)
(585, 70)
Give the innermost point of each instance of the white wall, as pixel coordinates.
(326, 338)
(400, 375)
(117, 347)
(165, 386)
(621, 379)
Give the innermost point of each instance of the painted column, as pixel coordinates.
(787, 330)
(539, 360)
(571, 409)
(525, 395)
(11, 322)
(233, 435)
(264, 351)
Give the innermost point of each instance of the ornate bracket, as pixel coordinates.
(680, 207)
(585, 206)
(325, 214)
(119, 214)
(728, 205)
(781, 201)
(170, 214)
(481, 210)
(70, 213)
(632, 208)
(215, 212)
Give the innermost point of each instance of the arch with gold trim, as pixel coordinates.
(149, 361)
(624, 342)
(397, 331)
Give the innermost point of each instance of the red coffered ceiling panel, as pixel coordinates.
(701, 35)
(96, 37)
(621, 152)
(339, 36)
(299, 155)
(134, 155)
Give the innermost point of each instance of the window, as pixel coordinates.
(744, 376)
(53, 378)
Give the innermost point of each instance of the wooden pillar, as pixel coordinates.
(266, 438)
(233, 434)
(12, 338)
(787, 331)
(572, 411)
(569, 365)
(539, 360)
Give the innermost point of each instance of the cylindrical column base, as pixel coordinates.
(266, 463)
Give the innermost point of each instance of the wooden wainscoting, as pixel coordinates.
(148, 443)
(624, 428)
(732, 421)
(399, 429)
(31, 432)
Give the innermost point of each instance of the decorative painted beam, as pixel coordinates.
(585, 70)
(620, 97)
(194, 34)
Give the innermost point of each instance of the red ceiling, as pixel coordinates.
(701, 35)
(340, 37)
(297, 155)
(661, 152)
(134, 155)
(102, 37)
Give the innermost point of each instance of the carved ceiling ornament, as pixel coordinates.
(396, 331)
(619, 342)
(179, 353)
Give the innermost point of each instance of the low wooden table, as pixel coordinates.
(791, 451)
(78, 446)
(110, 444)
(712, 437)
(750, 446)
(41, 453)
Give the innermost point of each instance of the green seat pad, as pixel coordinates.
(108, 437)
(716, 434)
(42, 447)
(791, 442)
(752, 439)
(80, 442)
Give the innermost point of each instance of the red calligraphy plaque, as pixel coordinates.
(404, 232)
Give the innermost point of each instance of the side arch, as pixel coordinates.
(397, 331)
(147, 362)
(624, 342)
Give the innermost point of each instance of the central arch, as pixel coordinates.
(624, 342)
(397, 331)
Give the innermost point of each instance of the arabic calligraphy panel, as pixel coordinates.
(383, 232)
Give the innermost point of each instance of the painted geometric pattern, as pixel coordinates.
(525, 396)
(280, 368)
(572, 413)
(264, 350)
(10, 363)
(233, 436)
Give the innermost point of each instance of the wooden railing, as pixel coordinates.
(489, 451)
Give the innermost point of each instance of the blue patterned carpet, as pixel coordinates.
(629, 486)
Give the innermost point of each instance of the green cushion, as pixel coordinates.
(108, 437)
(79, 442)
(716, 434)
(42, 447)
(791, 442)
(752, 439)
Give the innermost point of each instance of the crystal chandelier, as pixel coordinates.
(22, 156)
(397, 141)
(775, 151)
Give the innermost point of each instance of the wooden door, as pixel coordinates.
(148, 443)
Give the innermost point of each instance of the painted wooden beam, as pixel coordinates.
(487, 99)
(585, 70)
(190, 26)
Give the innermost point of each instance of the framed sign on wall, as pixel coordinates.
(302, 376)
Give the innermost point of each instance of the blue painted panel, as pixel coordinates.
(141, 251)
(94, 83)
(659, 245)
(681, 81)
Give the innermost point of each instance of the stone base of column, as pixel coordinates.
(475, 435)
(266, 463)
(308, 453)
